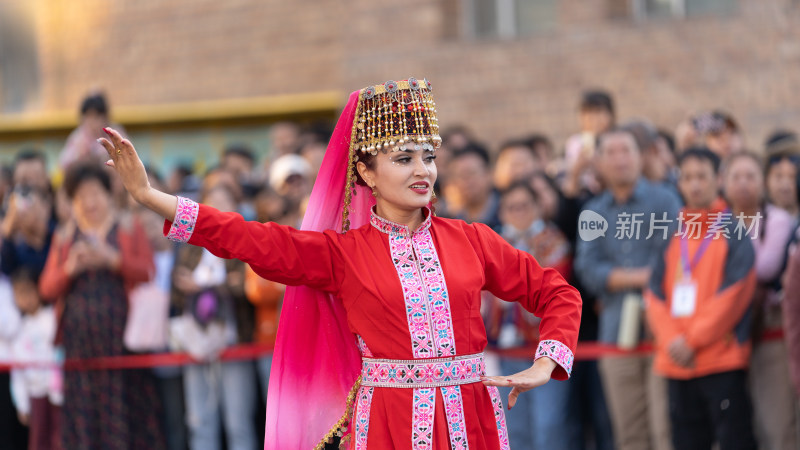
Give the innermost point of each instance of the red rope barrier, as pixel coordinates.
(150, 360)
(586, 351)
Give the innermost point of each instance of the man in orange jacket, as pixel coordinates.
(698, 306)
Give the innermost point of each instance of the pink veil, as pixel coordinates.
(316, 361)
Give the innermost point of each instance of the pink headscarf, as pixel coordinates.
(316, 361)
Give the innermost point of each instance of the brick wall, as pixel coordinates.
(153, 51)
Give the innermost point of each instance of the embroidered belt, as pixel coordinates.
(428, 373)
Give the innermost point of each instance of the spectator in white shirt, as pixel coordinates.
(36, 385)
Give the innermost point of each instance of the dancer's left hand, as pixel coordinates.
(535, 376)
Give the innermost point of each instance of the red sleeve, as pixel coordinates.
(513, 275)
(54, 282)
(137, 264)
(275, 252)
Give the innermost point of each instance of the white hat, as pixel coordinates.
(286, 166)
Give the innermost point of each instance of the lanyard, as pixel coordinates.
(687, 266)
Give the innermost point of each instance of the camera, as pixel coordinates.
(23, 197)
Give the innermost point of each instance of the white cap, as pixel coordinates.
(286, 166)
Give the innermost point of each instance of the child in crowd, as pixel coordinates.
(36, 386)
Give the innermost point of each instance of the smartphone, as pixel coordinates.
(92, 241)
(587, 143)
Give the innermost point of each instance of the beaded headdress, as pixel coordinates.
(390, 117)
(395, 113)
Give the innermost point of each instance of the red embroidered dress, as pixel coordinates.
(413, 301)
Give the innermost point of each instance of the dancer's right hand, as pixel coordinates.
(130, 168)
(126, 162)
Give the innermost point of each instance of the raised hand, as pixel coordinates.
(127, 164)
(11, 220)
(130, 168)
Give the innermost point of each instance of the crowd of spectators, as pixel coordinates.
(690, 332)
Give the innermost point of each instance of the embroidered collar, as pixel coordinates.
(396, 229)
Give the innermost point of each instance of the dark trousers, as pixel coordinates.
(713, 408)
(13, 435)
(44, 425)
(173, 418)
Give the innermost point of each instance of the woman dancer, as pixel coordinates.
(382, 339)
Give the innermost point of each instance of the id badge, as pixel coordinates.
(684, 298)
